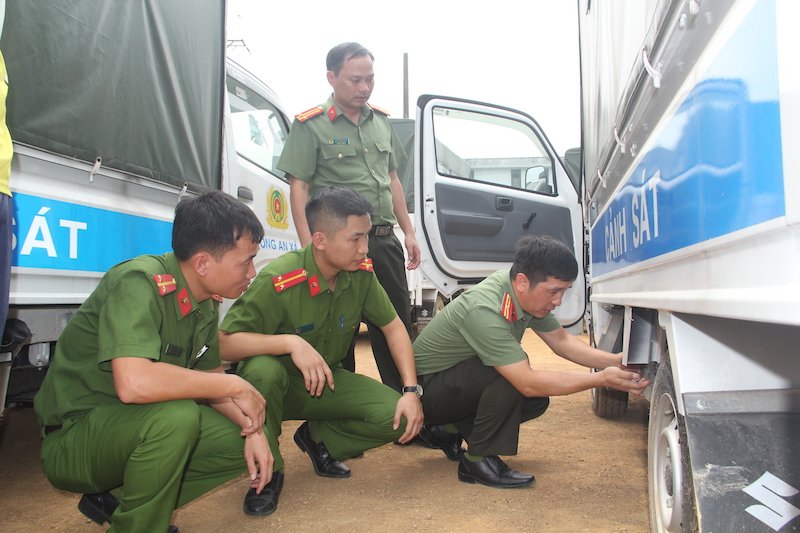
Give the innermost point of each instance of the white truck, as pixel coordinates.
(688, 217)
(117, 109)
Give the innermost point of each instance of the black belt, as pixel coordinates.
(381, 231)
(50, 429)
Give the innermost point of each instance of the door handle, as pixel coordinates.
(504, 203)
(527, 223)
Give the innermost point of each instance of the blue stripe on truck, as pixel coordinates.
(66, 236)
(715, 168)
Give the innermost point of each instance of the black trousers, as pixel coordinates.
(389, 263)
(482, 404)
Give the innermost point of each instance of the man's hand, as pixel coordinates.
(624, 380)
(252, 405)
(259, 460)
(413, 251)
(410, 407)
(311, 364)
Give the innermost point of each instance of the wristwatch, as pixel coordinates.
(416, 389)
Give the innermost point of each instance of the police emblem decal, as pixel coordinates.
(276, 209)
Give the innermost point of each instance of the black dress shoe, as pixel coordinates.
(492, 472)
(436, 437)
(99, 508)
(324, 464)
(265, 503)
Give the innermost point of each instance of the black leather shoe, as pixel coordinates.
(492, 472)
(436, 437)
(324, 464)
(99, 508)
(265, 503)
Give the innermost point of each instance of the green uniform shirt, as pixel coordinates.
(473, 324)
(306, 306)
(126, 316)
(329, 149)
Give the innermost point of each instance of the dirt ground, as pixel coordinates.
(591, 477)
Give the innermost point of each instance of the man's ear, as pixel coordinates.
(319, 240)
(521, 282)
(200, 262)
(330, 77)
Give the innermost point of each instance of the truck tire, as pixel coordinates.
(670, 487)
(609, 403)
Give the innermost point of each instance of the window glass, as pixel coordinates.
(258, 130)
(492, 149)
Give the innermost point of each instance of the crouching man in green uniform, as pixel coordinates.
(294, 326)
(478, 380)
(117, 407)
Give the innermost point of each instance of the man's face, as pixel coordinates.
(347, 248)
(353, 86)
(230, 276)
(543, 297)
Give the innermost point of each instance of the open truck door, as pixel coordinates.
(487, 176)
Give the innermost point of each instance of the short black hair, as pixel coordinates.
(212, 222)
(329, 208)
(345, 52)
(542, 257)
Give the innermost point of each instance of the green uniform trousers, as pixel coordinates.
(389, 264)
(356, 416)
(161, 455)
(485, 408)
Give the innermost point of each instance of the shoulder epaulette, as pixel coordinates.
(165, 283)
(379, 110)
(507, 308)
(366, 264)
(313, 112)
(290, 279)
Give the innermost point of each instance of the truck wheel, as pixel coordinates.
(609, 403)
(669, 470)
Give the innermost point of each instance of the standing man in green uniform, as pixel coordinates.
(478, 380)
(292, 329)
(117, 407)
(346, 141)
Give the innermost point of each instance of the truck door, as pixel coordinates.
(487, 176)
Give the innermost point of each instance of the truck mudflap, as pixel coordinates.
(744, 456)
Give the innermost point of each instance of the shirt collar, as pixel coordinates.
(334, 111)
(310, 265)
(186, 303)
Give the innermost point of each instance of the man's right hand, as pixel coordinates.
(312, 365)
(624, 380)
(252, 404)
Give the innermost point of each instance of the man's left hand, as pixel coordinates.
(410, 407)
(413, 252)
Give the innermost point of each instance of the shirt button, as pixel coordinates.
(366, 150)
(340, 156)
(200, 313)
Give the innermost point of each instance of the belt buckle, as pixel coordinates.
(382, 231)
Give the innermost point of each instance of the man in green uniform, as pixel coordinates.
(117, 407)
(293, 327)
(346, 141)
(478, 380)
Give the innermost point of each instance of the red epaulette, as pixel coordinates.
(366, 264)
(313, 112)
(165, 283)
(379, 110)
(507, 308)
(290, 279)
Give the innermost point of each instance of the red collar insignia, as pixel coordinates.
(184, 302)
(507, 308)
